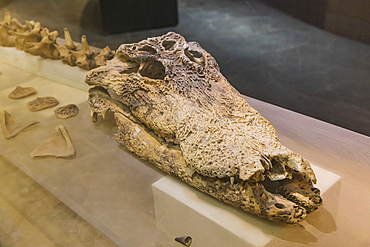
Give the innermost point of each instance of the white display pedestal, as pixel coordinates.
(182, 210)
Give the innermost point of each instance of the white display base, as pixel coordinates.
(182, 210)
(49, 69)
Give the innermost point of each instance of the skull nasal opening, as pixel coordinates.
(152, 70)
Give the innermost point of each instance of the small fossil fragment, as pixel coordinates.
(104, 55)
(21, 92)
(185, 240)
(46, 48)
(29, 35)
(10, 128)
(174, 108)
(6, 39)
(41, 103)
(58, 145)
(85, 57)
(65, 51)
(66, 111)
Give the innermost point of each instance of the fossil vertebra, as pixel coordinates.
(174, 108)
(21, 92)
(6, 39)
(65, 51)
(46, 48)
(41, 103)
(66, 111)
(34, 39)
(58, 145)
(85, 58)
(10, 128)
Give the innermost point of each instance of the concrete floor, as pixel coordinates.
(263, 52)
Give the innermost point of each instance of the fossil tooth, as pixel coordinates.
(185, 240)
(10, 128)
(41, 103)
(232, 181)
(58, 145)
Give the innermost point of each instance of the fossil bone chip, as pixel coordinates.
(66, 111)
(6, 38)
(184, 240)
(85, 57)
(65, 51)
(21, 92)
(41, 103)
(58, 145)
(104, 55)
(46, 48)
(174, 108)
(10, 128)
(31, 34)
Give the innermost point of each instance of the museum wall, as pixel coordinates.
(349, 19)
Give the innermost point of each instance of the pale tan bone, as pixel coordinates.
(46, 48)
(28, 35)
(16, 25)
(85, 57)
(58, 145)
(178, 112)
(6, 38)
(10, 128)
(65, 51)
(21, 92)
(104, 55)
(66, 111)
(41, 103)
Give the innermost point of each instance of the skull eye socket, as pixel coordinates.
(168, 44)
(194, 56)
(148, 49)
(152, 70)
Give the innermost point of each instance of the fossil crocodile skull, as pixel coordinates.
(174, 108)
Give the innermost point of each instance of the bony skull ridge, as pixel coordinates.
(174, 108)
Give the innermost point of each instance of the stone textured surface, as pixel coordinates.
(172, 91)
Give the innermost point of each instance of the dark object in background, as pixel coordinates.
(119, 16)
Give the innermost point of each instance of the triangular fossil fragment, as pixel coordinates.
(58, 145)
(10, 128)
(21, 92)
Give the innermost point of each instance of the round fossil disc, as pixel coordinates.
(66, 111)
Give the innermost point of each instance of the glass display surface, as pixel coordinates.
(113, 195)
